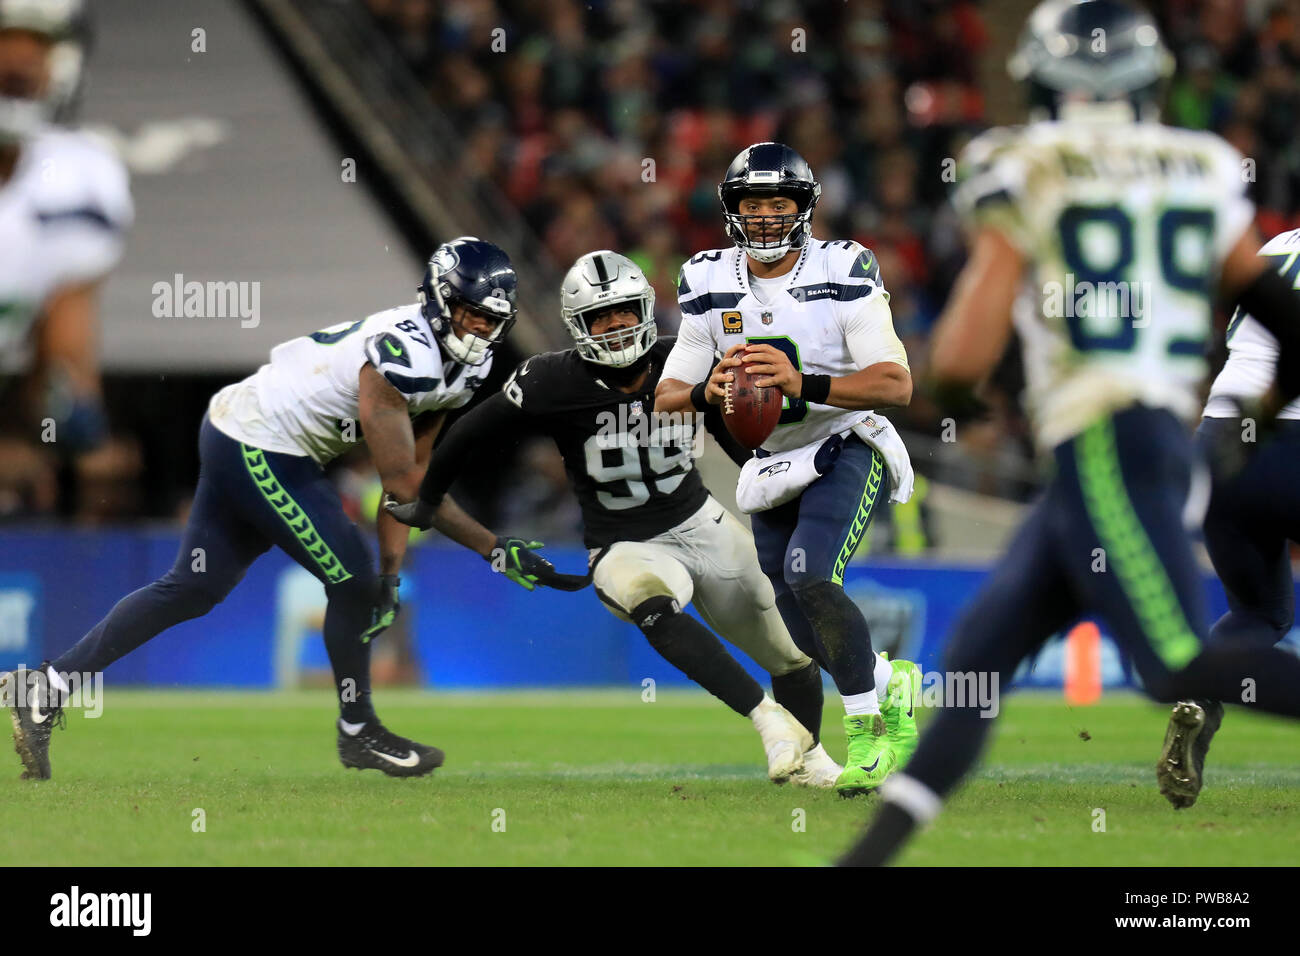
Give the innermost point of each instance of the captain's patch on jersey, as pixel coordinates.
(732, 323)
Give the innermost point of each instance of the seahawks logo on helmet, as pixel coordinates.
(445, 256)
(477, 275)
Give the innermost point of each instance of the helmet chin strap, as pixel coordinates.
(768, 255)
(620, 374)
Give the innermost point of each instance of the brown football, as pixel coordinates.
(750, 412)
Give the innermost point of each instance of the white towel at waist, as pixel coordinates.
(766, 483)
(880, 433)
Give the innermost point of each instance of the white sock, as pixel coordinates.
(883, 674)
(866, 703)
(761, 708)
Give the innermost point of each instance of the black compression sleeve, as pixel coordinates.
(496, 423)
(1273, 304)
(718, 428)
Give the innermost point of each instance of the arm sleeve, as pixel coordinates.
(693, 353)
(494, 425)
(870, 336)
(718, 429)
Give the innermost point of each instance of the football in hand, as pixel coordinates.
(750, 412)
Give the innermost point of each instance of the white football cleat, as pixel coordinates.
(819, 770)
(785, 740)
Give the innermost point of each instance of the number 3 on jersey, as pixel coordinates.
(792, 409)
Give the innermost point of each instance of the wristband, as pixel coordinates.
(697, 397)
(815, 389)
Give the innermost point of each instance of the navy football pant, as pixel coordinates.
(804, 546)
(1251, 519)
(247, 500)
(1117, 495)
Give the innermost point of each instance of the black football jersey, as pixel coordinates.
(633, 480)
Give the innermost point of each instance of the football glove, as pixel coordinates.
(514, 558)
(418, 513)
(386, 608)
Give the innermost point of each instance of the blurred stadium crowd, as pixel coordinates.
(608, 124)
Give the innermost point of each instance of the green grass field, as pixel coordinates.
(599, 777)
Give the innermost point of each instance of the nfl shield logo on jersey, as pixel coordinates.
(636, 407)
(767, 318)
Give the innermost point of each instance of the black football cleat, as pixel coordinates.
(1180, 771)
(35, 711)
(375, 747)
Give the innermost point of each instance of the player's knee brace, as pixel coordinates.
(695, 651)
(651, 614)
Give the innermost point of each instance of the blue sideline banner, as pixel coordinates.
(469, 627)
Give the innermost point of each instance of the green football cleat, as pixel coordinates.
(870, 758)
(899, 710)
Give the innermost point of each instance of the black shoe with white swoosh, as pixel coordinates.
(374, 747)
(35, 712)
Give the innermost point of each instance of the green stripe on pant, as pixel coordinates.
(1129, 550)
(288, 509)
(862, 519)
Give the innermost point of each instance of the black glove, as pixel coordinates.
(514, 558)
(386, 607)
(418, 513)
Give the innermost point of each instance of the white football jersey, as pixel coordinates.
(1123, 227)
(829, 314)
(306, 400)
(64, 215)
(1252, 350)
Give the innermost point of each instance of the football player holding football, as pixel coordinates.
(388, 379)
(658, 541)
(65, 208)
(1094, 189)
(811, 317)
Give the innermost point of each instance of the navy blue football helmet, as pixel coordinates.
(478, 275)
(769, 169)
(1090, 51)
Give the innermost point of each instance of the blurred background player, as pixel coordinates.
(1253, 515)
(65, 207)
(813, 317)
(1096, 190)
(658, 540)
(388, 379)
